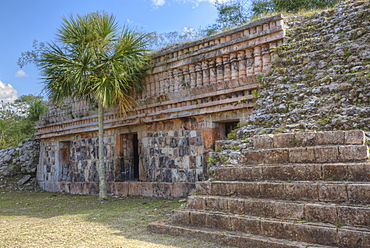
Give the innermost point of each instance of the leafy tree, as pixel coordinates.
(261, 7)
(93, 59)
(230, 14)
(17, 120)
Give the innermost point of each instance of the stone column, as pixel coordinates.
(161, 83)
(166, 82)
(227, 67)
(171, 81)
(234, 66)
(193, 76)
(242, 64)
(176, 82)
(199, 74)
(212, 71)
(180, 78)
(186, 76)
(205, 69)
(266, 58)
(257, 60)
(220, 69)
(250, 61)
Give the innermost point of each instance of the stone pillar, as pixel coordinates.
(257, 60)
(166, 82)
(156, 83)
(199, 74)
(242, 64)
(176, 81)
(193, 76)
(205, 70)
(272, 54)
(161, 83)
(180, 78)
(227, 67)
(250, 61)
(186, 76)
(234, 66)
(266, 58)
(220, 69)
(212, 71)
(171, 81)
(152, 87)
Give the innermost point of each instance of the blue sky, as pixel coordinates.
(23, 21)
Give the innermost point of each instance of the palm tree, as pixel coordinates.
(95, 61)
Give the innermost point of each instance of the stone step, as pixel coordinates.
(329, 171)
(301, 231)
(295, 190)
(305, 139)
(313, 154)
(346, 214)
(226, 237)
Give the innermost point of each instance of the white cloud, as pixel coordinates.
(7, 93)
(21, 73)
(158, 2)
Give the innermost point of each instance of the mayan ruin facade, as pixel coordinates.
(194, 95)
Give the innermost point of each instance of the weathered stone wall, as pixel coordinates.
(321, 77)
(23, 159)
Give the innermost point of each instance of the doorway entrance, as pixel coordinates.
(127, 168)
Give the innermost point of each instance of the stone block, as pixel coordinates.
(222, 188)
(354, 137)
(242, 224)
(260, 207)
(354, 215)
(280, 172)
(353, 153)
(334, 171)
(277, 229)
(216, 203)
(147, 189)
(250, 189)
(332, 192)
(236, 206)
(359, 192)
(164, 189)
(263, 141)
(302, 155)
(284, 140)
(135, 188)
(306, 171)
(181, 216)
(330, 138)
(326, 154)
(196, 202)
(353, 237)
(121, 188)
(218, 220)
(314, 233)
(320, 212)
(197, 218)
(275, 156)
(224, 173)
(182, 189)
(301, 191)
(358, 172)
(288, 210)
(253, 156)
(305, 139)
(271, 190)
(203, 188)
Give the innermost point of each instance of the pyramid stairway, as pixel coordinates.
(305, 189)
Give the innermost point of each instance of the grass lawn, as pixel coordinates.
(42, 219)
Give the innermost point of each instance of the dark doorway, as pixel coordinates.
(127, 168)
(230, 126)
(64, 160)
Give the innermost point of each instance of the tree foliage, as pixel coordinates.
(17, 120)
(261, 7)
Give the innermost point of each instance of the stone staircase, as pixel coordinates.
(305, 189)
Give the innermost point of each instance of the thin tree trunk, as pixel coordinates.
(101, 167)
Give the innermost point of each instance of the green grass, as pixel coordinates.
(42, 219)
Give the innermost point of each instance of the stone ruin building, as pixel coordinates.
(296, 175)
(194, 95)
